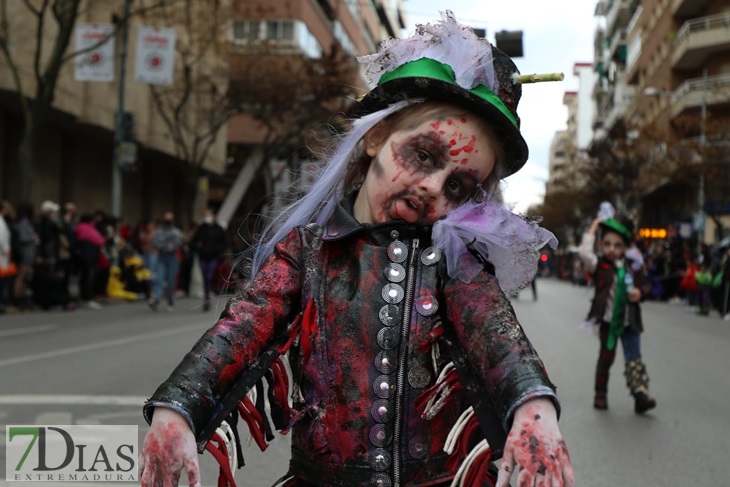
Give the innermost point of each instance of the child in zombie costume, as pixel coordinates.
(618, 280)
(376, 309)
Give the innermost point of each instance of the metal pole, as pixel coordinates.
(701, 185)
(116, 207)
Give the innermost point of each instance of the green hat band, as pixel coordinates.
(617, 227)
(429, 68)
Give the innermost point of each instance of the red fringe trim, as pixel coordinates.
(452, 382)
(281, 386)
(309, 330)
(478, 473)
(433, 336)
(255, 422)
(220, 453)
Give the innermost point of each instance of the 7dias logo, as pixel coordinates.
(79, 453)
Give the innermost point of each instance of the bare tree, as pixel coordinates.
(295, 101)
(195, 107)
(48, 54)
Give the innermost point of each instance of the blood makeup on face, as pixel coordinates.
(424, 154)
(423, 170)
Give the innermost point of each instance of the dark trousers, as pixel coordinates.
(208, 267)
(87, 280)
(631, 344)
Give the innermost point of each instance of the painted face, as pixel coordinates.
(421, 173)
(612, 246)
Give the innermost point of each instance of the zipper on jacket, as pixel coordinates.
(402, 355)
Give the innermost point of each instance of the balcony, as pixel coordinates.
(619, 14)
(689, 8)
(715, 90)
(697, 39)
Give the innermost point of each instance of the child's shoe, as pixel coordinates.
(643, 403)
(600, 401)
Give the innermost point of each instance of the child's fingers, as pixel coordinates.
(505, 469)
(193, 471)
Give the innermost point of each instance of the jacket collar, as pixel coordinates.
(343, 224)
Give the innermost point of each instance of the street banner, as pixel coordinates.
(154, 61)
(96, 64)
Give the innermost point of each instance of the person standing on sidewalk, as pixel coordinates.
(210, 242)
(615, 308)
(88, 247)
(167, 239)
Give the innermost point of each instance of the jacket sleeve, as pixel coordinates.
(252, 322)
(496, 346)
(587, 255)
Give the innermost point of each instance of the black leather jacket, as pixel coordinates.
(370, 351)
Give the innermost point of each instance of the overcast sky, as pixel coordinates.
(556, 35)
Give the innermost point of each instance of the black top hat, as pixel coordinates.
(449, 62)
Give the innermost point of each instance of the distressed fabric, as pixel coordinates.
(358, 375)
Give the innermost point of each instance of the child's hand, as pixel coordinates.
(168, 447)
(536, 446)
(634, 295)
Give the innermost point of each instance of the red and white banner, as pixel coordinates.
(96, 64)
(154, 62)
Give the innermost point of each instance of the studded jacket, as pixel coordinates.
(367, 353)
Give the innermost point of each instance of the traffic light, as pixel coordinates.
(510, 42)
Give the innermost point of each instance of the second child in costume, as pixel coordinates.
(378, 299)
(615, 309)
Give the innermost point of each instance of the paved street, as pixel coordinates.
(98, 367)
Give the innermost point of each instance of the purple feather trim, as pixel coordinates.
(509, 242)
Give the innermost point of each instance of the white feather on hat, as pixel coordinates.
(448, 42)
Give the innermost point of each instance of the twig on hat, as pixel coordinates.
(537, 78)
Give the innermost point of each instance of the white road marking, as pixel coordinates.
(72, 400)
(96, 346)
(26, 330)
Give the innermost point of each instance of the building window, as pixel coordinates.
(245, 31)
(283, 33)
(343, 38)
(280, 30)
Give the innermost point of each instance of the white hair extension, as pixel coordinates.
(320, 202)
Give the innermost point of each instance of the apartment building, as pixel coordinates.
(75, 151)
(290, 38)
(568, 148)
(665, 65)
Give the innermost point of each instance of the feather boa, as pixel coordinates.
(509, 242)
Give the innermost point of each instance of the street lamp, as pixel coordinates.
(654, 91)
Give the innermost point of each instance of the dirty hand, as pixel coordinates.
(537, 449)
(168, 447)
(634, 295)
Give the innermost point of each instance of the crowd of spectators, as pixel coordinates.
(60, 258)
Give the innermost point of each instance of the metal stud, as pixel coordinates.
(380, 480)
(395, 272)
(389, 315)
(385, 362)
(388, 338)
(381, 411)
(393, 293)
(380, 459)
(382, 387)
(426, 305)
(380, 435)
(397, 251)
(417, 447)
(419, 377)
(430, 256)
